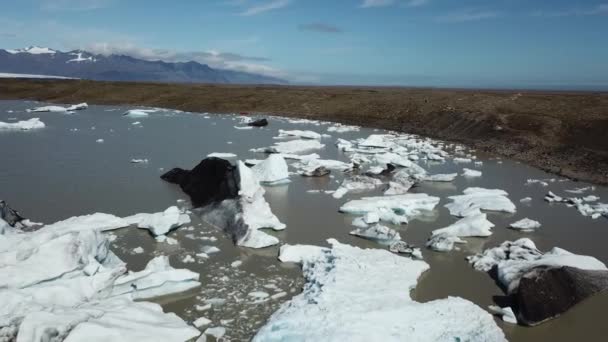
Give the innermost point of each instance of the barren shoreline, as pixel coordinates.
(561, 132)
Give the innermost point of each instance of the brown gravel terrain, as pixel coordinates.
(562, 132)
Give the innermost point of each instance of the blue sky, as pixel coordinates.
(466, 43)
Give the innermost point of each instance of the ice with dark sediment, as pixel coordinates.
(377, 232)
(513, 259)
(356, 184)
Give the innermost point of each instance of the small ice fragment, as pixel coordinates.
(525, 225)
(526, 200)
(138, 250)
(188, 259)
(471, 173)
(217, 332)
(210, 249)
(222, 155)
(236, 264)
(506, 314)
(201, 322)
(99, 141)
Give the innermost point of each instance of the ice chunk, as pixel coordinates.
(273, 170)
(377, 232)
(471, 173)
(339, 128)
(256, 212)
(513, 259)
(222, 155)
(26, 125)
(447, 177)
(79, 106)
(299, 134)
(462, 160)
(160, 223)
(217, 332)
(526, 200)
(201, 322)
(396, 188)
(357, 184)
(139, 161)
(99, 141)
(291, 147)
(476, 199)
(395, 209)
(402, 247)
(506, 314)
(443, 242)
(525, 225)
(156, 280)
(134, 113)
(345, 284)
(473, 225)
(138, 250)
(48, 109)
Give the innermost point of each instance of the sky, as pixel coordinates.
(561, 44)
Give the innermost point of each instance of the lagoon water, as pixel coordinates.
(61, 171)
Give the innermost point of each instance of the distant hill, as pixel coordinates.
(85, 65)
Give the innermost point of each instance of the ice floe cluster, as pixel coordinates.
(363, 295)
(62, 282)
(25, 125)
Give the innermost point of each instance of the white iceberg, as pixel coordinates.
(354, 294)
(272, 170)
(442, 177)
(134, 113)
(159, 223)
(79, 106)
(525, 225)
(513, 259)
(357, 184)
(476, 199)
(470, 173)
(377, 232)
(26, 125)
(292, 147)
(473, 225)
(256, 213)
(58, 109)
(299, 134)
(340, 128)
(222, 155)
(395, 209)
(506, 314)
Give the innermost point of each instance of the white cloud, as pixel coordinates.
(601, 9)
(467, 15)
(265, 7)
(213, 58)
(385, 3)
(74, 5)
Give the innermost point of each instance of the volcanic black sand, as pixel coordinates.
(562, 132)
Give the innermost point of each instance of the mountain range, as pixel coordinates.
(84, 65)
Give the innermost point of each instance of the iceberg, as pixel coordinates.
(159, 223)
(340, 128)
(443, 242)
(26, 125)
(445, 177)
(79, 106)
(377, 232)
(134, 113)
(43, 109)
(256, 213)
(271, 171)
(514, 259)
(475, 225)
(396, 209)
(354, 294)
(470, 173)
(299, 134)
(525, 225)
(476, 199)
(63, 281)
(357, 184)
(291, 147)
(221, 155)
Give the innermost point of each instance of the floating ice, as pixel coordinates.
(395, 188)
(506, 314)
(60, 282)
(26, 125)
(271, 171)
(299, 134)
(525, 225)
(243, 127)
(201, 322)
(79, 106)
(43, 109)
(526, 200)
(156, 280)
(513, 259)
(462, 160)
(291, 147)
(340, 128)
(353, 294)
(99, 141)
(160, 223)
(447, 177)
(473, 225)
(377, 232)
(357, 184)
(307, 166)
(217, 332)
(476, 199)
(222, 155)
(443, 242)
(256, 212)
(471, 173)
(139, 161)
(139, 112)
(395, 209)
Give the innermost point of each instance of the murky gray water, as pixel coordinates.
(58, 172)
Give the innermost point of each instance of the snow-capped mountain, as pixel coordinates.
(82, 64)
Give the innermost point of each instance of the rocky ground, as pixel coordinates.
(561, 132)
